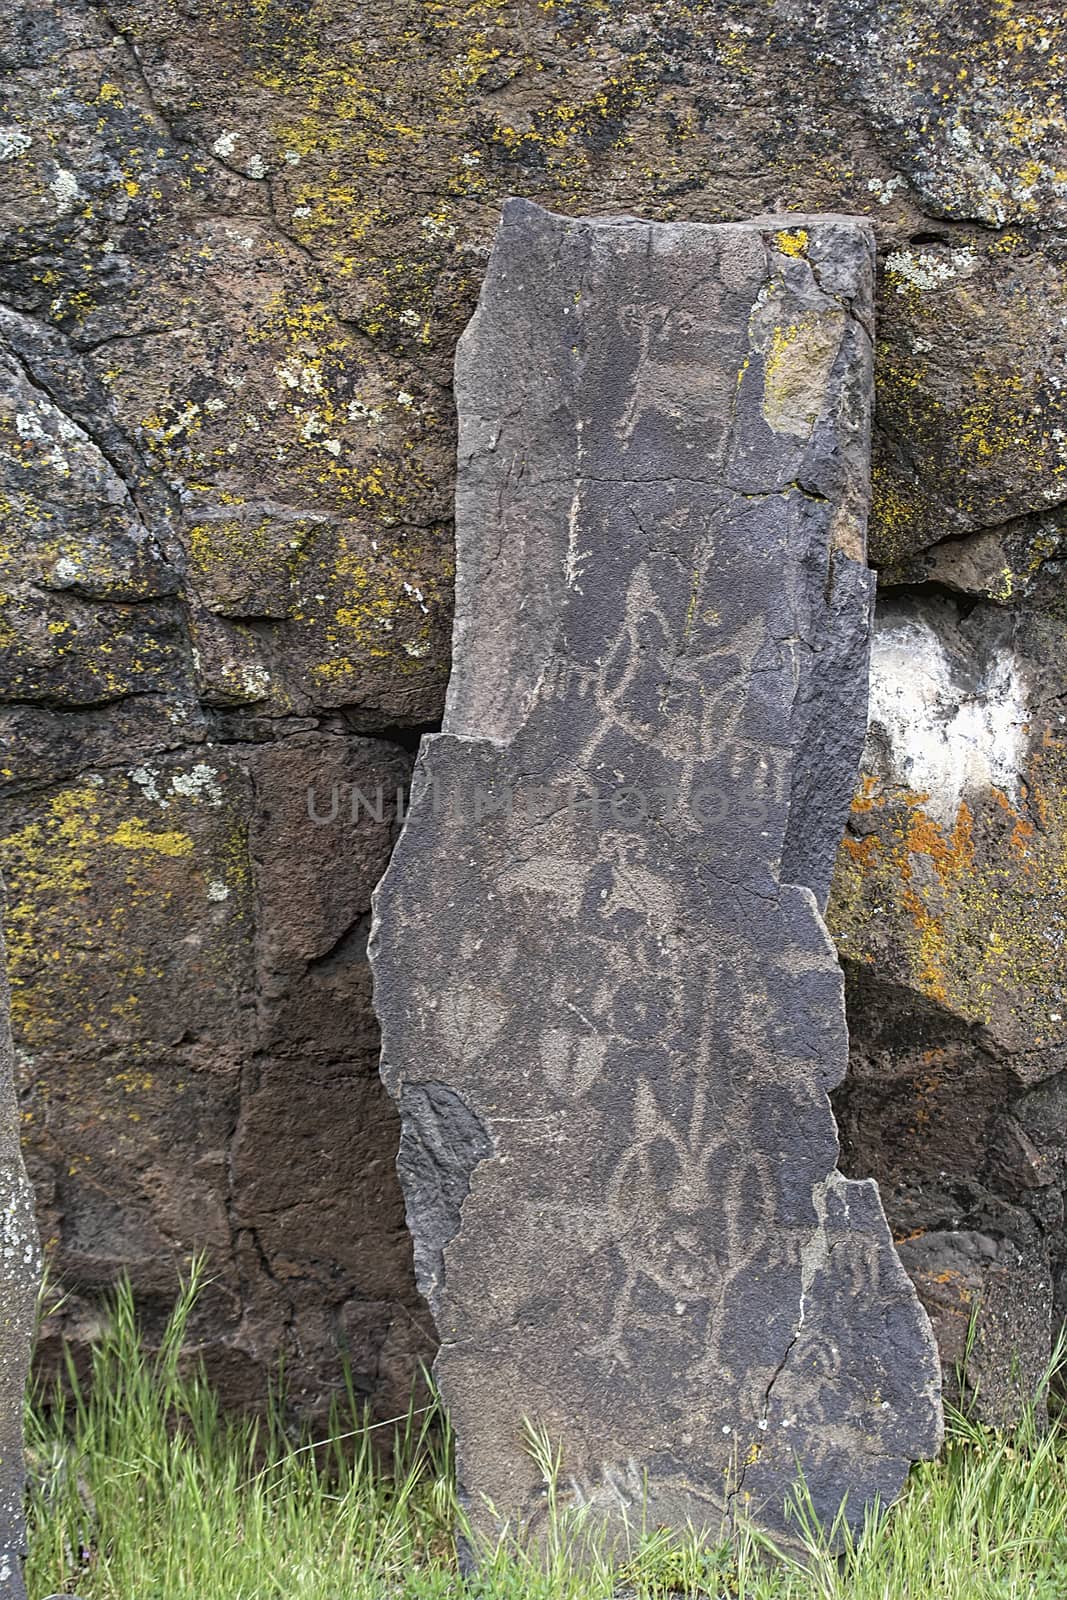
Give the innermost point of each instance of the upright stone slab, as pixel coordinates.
(611, 1011)
(19, 1276)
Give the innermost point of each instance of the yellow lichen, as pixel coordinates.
(979, 907)
(796, 371)
(791, 243)
(133, 834)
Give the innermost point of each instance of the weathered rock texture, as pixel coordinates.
(239, 243)
(188, 993)
(19, 1276)
(611, 1034)
(950, 910)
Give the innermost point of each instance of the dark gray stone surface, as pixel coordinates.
(611, 1011)
(19, 1275)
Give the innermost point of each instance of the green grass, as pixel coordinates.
(143, 1490)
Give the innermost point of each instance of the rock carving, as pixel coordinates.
(611, 1010)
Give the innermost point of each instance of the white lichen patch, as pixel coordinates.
(53, 433)
(19, 1243)
(199, 783)
(437, 225)
(947, 727)
(923, 269)
(224, 144)
(256, 681)
(64, 187)
(299, 375)
(188, 419)
(145, 779)
(884, 189)
(27, 426)
(14, 142)
(217, 890)
(64, 572)
(358, 411)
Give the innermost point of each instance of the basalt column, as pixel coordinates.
(611, 1011)
(19, 1275)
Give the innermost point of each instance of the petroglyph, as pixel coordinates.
(645, 1247)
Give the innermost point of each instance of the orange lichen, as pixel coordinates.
(976, 911)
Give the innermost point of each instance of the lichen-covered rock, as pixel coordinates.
(950, 909)
(240, 241)
(972, 407)
(967, 99)
(187, 954)
(19, 1273)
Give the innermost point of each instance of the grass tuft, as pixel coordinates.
(142, 1489)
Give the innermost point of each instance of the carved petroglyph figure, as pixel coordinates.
(611, 1022)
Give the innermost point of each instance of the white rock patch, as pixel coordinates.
(943, 737)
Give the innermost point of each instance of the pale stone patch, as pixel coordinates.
(941, 738)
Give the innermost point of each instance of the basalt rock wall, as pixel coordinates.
(240, 242)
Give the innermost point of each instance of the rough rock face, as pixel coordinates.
(19, 1275)
(610, 1009)
(950, 911)
(239, 243)
(187, 958)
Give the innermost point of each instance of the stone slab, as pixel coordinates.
(611, 1010)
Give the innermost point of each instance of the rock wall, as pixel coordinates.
(20, 1265)
(239, 243)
